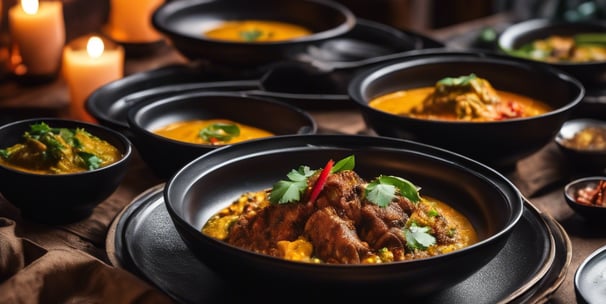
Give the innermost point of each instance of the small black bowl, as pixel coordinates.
(183, 23)
(594, 214)
(214, 180)
(591, 74)
(500, 143)
(586, 159)
(166, 156)
(61, 198)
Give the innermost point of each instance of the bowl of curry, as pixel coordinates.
(170, 132)
(240, 33)
(492, 108)
(58, 170)
(336, 213)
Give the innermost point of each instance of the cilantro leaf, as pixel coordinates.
(418, 237)
(251, 35)
(380, 194)
(91, 161)
(286, 191)
(347, 163)
(219, 132)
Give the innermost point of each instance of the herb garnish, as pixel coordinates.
(380, 191)
(251, 35)
(418, 237)
(219, 132)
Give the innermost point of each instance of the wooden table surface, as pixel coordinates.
(21, 101)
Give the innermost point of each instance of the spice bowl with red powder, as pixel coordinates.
(587, 197)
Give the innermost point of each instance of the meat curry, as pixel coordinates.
(332, 215)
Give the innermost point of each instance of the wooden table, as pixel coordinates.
(18, 101)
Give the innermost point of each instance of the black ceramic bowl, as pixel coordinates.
(593, 213)
(184, 22)
(591, 74)
(165, 156)
(578, 154)
(499, 144)
(214, 180)
(61, 198)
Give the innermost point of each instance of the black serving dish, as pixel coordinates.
(143, 240)
(215, 179)
(595, 215)
(588, 160)
(61, 198)
(165, 156)
(499, 143)
(184, 22)
(591, 74)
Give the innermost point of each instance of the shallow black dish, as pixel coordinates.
(591, 74)
(183, 23)
(143, 240)
(596, 215)
(499, 144)
(214, 180)
(584, 159)
(165, 156)
(589, 281)
(61, 198)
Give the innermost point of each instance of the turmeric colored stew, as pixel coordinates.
(464, 98)
(585, 47)
(47, 150)
(257, 31)
(211, 131)
(332, 215)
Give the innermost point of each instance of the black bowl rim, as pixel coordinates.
(575, 184)
(134, 111)
(174, 6)
(375, 72)
(506, 38)
(559, 138)
(329, 140)
(128, 146)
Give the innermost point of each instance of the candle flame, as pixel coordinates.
(95, 47)
(30, 7)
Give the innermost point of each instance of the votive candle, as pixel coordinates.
(37, 34)
(90, 62)
(130, 21)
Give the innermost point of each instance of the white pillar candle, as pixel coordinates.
(130, 21)
(37, 33)
(90, 62)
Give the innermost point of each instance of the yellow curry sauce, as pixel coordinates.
(462, 101)
(46, 150)
(257, 31)
(189, 131)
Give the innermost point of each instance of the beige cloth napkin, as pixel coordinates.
(32, 274)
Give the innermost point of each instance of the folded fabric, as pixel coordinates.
(32, 274)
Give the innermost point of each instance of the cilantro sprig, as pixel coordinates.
(382, 190)
(219, 132)
(418, 237)
(291, 190)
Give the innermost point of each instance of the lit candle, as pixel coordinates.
(37, 32)
(130, 21)
(88, 63)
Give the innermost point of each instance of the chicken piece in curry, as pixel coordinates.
(47, 150)
(333, 216)
(463, 98)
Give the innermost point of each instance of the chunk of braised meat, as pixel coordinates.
(342, 191)
(381, 227)
(261, 231)
(335, 238)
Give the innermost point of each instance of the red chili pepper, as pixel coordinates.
(213, 140)
(321, 181)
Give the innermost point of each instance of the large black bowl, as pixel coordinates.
(165, 156)
(183, 23)
(499, 144)
(591, 74)
(61, 198)
(213, 181)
